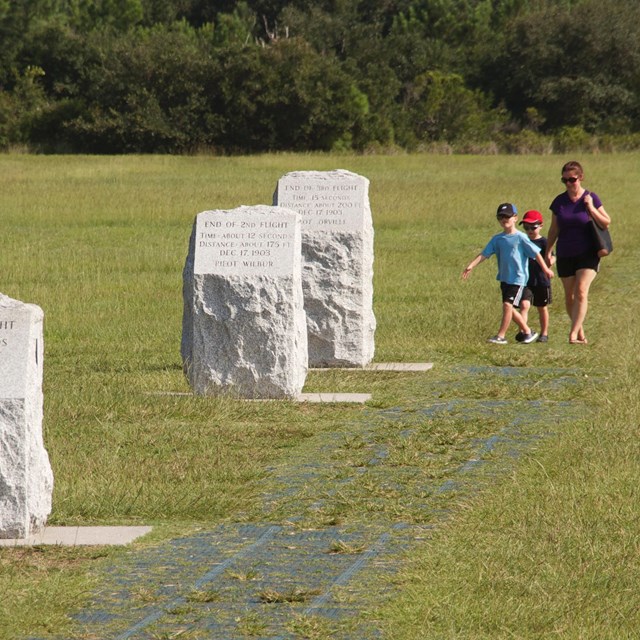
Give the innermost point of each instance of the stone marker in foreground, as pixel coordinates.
(337, 268)
(244, 328)
(26, 480)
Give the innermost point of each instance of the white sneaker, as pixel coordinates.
(530, 337)
(499, 340)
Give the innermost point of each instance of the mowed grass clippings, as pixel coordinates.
(99, 243)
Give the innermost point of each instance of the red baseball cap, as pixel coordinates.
(532, 217)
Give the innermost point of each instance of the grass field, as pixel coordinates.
(551, 550)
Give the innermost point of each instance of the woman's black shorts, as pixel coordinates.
(567, 267)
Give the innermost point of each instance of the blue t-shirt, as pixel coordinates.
(513, 251)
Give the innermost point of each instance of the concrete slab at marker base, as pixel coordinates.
(301, 397)
(385, 366)
(399, 366)
(79, 536)
(334, 397)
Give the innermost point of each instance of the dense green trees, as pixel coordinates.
(576, 68)
(112, 76)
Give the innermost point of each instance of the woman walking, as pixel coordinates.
(577, 255)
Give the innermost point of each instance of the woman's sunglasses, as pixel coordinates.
(571, 180)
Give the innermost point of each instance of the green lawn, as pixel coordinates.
(549, 550)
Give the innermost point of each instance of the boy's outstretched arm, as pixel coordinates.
(476, 261)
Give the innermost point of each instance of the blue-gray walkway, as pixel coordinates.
(313, 566)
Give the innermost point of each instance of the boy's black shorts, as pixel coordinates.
(538, 296)
(512, 293)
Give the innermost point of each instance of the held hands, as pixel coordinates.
(545, 264)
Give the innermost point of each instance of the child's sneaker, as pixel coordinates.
(497, 340)
(520, 336)
(528, 338)
(543, 339)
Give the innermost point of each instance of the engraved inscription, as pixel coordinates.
(323, 205)
(6, 332)
(15, 350)
(244, 244)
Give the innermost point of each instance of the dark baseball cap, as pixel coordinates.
(507, 209)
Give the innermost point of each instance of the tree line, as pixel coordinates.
(183, 76)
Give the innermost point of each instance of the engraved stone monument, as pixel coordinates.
(26, 479)
(244, 328)
(337, 265)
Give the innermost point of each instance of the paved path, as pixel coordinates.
(309, 567)
(79, 536)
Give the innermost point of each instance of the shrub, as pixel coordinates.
(525, 142)
(573, 139)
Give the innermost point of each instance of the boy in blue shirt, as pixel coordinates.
(512, 249)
